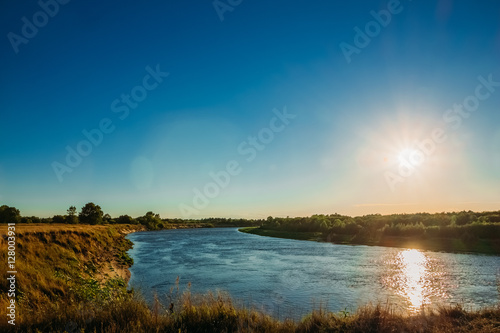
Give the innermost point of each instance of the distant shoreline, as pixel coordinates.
(449, 245)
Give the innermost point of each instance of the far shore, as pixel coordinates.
(451, 245)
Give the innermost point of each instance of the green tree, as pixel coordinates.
(463, 218)
(125, 219)
(9, 214)
(71, 218)
(58, 219)
(35, 219)
(107, 218)
(71, 210)
(150, 220)
(26, 219)
(91, 214)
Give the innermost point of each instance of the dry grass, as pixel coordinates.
(64, 263)
(217, 313)
(44, 227)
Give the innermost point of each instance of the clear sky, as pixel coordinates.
(354, 86)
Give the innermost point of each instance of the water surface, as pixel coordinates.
(287, 278)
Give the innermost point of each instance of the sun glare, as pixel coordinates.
(405, 155)
(414, 274)
(411, 277)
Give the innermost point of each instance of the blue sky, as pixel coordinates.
(344, 150)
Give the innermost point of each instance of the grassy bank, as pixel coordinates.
(310, 236)
(72, 278)
(60, 266)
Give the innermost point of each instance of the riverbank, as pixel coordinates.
(452, 245)
(70, 280)
(309, 236)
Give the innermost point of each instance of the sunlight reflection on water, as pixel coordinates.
(416, 277)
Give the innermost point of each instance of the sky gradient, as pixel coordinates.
(350, 142)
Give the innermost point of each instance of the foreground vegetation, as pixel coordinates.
(217, 313)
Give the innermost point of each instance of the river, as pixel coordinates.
(287, 278)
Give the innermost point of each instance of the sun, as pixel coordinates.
(405, 155)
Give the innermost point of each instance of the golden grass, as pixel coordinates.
(44, 227)
(54, 262)
(217, 313)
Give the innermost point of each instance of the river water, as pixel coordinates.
(288, 278)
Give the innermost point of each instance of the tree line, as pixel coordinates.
(467, 225)
(93, 214)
